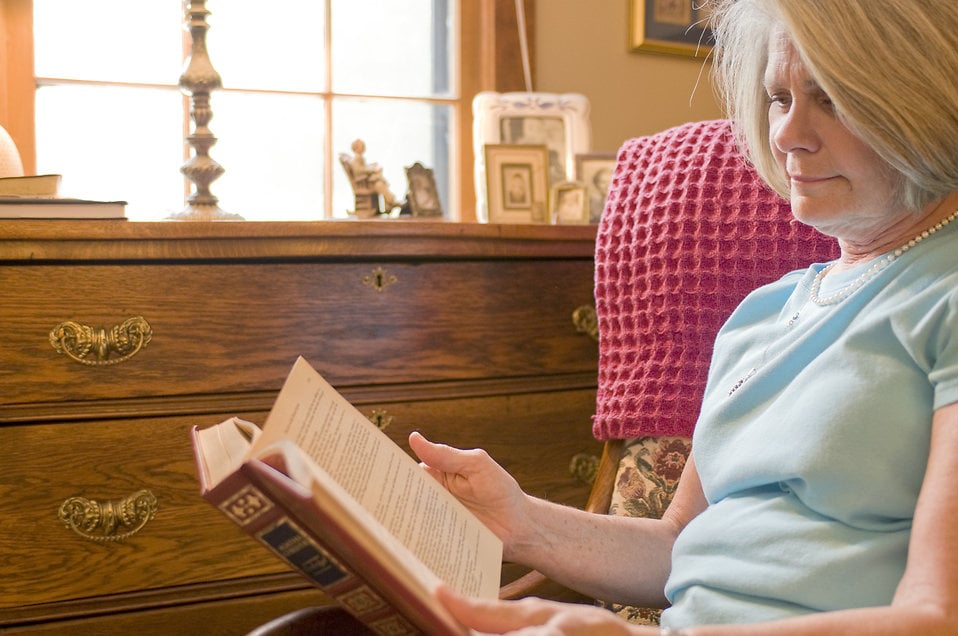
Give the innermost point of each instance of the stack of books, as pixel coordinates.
(38, 197)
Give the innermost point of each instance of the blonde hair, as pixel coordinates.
(887, 65)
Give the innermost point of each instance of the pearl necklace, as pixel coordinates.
(878, 266)
(844, 292)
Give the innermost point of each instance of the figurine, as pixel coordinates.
(368, 183)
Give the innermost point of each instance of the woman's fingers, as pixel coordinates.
(494, 616)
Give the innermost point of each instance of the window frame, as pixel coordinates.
(488, 59)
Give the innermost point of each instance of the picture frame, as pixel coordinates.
(516, 183)
(594, 170)
(569, 203)
(560, 121)
(422, 194)
(675, 27)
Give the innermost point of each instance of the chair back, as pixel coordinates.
(687, 231)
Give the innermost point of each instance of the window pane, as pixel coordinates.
(87, 39)
(392, 48)
(397, 135)
(271, 117)
(271, 147)
(250, 52)
(114, 143)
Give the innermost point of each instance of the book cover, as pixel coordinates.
(339, 501)
(249, 498)
(40, 185)
(60, 208)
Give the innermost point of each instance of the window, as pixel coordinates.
(301, 81)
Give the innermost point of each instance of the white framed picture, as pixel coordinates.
(559, 121)
(516, 183)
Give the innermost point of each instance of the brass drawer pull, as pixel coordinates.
(586, 321)
(93, 346)
(110, 521)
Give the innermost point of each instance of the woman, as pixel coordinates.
(834, 389)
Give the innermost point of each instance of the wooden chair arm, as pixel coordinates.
(600, 497)
(326, 619)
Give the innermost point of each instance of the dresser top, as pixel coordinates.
(102, 241)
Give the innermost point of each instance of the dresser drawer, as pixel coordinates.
(533, 434)
(223, 328)
(44, 561)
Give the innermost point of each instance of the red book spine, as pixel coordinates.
(246, 500)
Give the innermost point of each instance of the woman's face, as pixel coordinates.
(837, 183)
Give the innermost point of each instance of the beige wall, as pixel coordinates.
(582, 46)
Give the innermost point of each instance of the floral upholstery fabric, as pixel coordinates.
(646, 480)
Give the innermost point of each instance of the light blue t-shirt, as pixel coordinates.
(812, 465)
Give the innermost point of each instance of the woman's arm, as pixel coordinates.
(618, 559)
(925, 603)
(610, 557)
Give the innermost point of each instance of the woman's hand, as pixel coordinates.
(491, 493)
(532, 616)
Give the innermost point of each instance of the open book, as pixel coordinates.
(334, 497)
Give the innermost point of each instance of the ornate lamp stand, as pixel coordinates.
(198, 80)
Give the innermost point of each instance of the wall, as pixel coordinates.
(582, 46)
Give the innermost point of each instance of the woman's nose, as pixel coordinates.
(795, 129)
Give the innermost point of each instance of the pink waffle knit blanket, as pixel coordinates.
(688, 230)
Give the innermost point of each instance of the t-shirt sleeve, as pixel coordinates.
(944, 369)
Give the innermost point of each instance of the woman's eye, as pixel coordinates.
(779, 100)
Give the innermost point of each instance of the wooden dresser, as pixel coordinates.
(117, 337)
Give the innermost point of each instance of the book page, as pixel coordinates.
(386, 481)
(224, 447)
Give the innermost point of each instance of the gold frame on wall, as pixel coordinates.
(676, 27)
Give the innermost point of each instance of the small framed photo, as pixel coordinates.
(570, 203)
(594, 170)
(677, 27)
(423, 197)
(516, 183)
(560, 122)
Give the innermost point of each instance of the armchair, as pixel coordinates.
(687, 231)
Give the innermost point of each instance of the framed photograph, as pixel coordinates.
(570, 203)
(423, 196)
(516, 184)
(560, 122)
(594, 171)
(678, 27)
